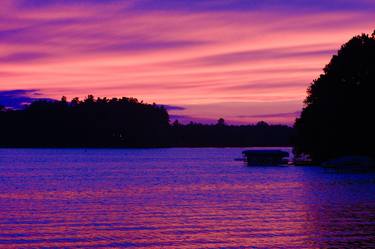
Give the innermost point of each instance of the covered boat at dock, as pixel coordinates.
(266, 157)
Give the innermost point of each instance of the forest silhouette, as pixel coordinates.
(123, 122)
(338, 117)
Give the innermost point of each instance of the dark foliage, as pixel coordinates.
(122, 122)
(337, 119)
(223, 135)
(89, 123)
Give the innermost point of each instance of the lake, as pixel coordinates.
(178, 198)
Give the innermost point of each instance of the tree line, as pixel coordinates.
(337, 118)
(123, 122)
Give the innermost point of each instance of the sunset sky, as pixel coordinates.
(243, 60)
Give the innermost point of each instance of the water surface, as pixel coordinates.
(178, 198)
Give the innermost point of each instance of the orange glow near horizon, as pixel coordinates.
(240, 65)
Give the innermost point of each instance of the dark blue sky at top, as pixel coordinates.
(222, 5)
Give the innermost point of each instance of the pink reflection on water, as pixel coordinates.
(183, 198)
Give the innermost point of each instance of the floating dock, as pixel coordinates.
(266, 157)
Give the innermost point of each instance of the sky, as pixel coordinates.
(242, 60)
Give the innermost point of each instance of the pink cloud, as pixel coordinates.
(176, 57)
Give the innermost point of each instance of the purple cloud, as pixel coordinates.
(22, 57)
(185, 119)
(273, 115)
(262, 54)
(243, 5)
(174, 107)
(17, 99)
(137, 46)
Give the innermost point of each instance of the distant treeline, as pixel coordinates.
(123, 122)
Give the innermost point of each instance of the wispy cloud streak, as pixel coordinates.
(183, 53)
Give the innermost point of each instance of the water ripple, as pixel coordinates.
(178, 198)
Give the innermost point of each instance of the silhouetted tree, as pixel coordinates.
(75, 101)
(262, 124)
(176, 123)
(338, 118)
(205, 135)
(220, 122)
(63, 100)
(89, 123)
(123, 122)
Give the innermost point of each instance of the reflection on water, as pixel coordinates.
(178, 198)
